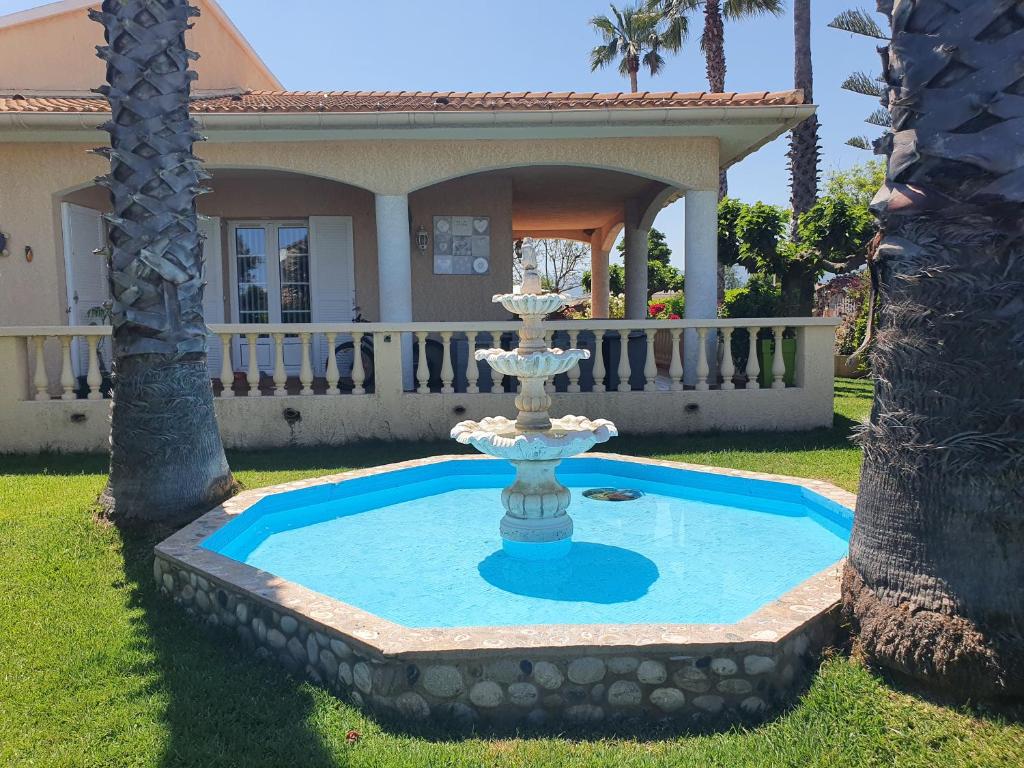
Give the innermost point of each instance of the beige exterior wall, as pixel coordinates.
(463, 297)
(34, 178)
(58, 53)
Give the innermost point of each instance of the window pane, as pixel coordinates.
(293, 260)
(251, 264)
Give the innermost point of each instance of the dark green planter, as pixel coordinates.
(766, 356)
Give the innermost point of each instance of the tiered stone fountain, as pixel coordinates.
(536, 525)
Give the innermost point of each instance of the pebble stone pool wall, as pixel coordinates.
(508, 676)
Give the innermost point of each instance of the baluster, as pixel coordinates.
(306, 369)
(623, 369)
(67, 376)
(447, 370)
(227, 372)
(253, 376)
(702, 360)
(778, 360)
(358, 370)
(332, 372)
(574, 372)
(422, 369)
(728, 366)
(675, 369)
(549, 383)
(472, 366)
(651, 363)
(93, 376)
(280, 375)
(753, 367)
(41, 380)
(496, 378)
(598, 371)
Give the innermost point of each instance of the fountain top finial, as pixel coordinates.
(531, 278)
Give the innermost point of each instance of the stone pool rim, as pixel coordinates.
(762, 630)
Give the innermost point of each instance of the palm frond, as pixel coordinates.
(864, 84)
(603, 55)
(735, 10)
(654, 62)
(858, 22)
(859, 142)
(880, 117)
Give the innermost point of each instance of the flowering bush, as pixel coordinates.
(668, 309)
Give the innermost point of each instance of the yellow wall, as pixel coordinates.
(34, 178)
(58, 53)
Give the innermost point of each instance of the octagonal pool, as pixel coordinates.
(420, 547)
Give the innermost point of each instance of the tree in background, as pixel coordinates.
(859, 22)
(712, 40)
(934, 583)
(832, 237)
(662, 277)
(166, 458)
(634, 37)
(560, 263)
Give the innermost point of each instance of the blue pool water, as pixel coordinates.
(420, 546)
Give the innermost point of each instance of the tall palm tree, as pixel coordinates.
(712, 40)
(935, 577)
(166, 458)
(634, 37)
(803, 147)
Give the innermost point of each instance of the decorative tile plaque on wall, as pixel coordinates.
(462, 245)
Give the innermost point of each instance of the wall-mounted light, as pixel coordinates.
(4, 237)
(422, 239)
(29, 255)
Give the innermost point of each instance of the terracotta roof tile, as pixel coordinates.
(415, 101)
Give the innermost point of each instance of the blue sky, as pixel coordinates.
(542, 45)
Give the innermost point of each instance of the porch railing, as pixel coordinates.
(73, 362)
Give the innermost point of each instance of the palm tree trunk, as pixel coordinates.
(803, 151)
(934, 587)
(167, 461)
(633, 85)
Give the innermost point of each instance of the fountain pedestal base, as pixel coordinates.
(535, 525)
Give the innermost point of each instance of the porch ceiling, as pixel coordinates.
(569, 199)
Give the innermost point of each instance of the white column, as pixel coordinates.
(599, 287)
(701, 264)
(394, 270)
(635, 263)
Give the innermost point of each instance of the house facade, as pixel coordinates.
(395, 209)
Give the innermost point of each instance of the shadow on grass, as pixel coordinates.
(223, 706)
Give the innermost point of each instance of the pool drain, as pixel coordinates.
(613, 494)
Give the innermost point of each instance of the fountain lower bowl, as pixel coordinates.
(500, 437)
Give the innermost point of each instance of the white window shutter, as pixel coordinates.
(213, 295)
(88, 283)
(332, 275)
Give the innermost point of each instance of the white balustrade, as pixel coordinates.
(289, 351)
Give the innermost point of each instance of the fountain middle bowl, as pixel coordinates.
(500, 437)
(533, 365)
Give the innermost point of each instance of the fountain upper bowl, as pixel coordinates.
(531, 303)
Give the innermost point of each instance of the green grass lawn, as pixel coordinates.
(97, 669)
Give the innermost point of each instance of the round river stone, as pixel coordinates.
(547, 675)
(586, 670)
(667, 699)
(652, 673)
(442, 681)
(486, 693)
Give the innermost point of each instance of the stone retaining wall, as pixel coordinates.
(690, 683)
